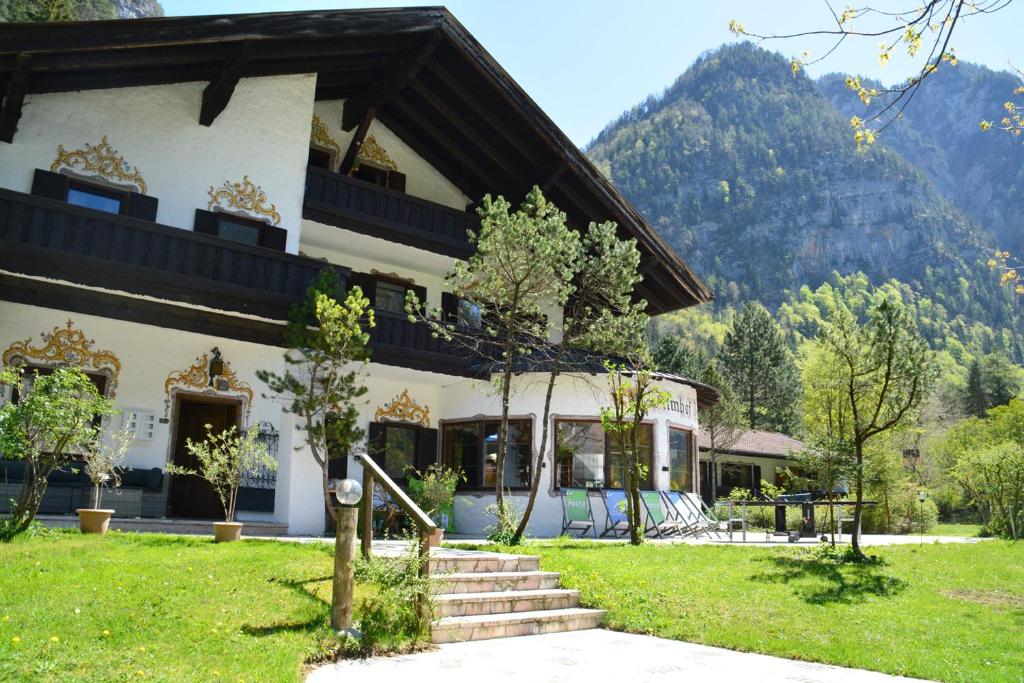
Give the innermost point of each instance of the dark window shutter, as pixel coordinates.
(141, 206)
(50, 185)
(755, 485)
(449, 307)
(337, 468)
(426, 448)
(421, 294)
(396, 181)
(274, 238)
(337, 457)
(207, 222)
(367, 283)
(376, 442)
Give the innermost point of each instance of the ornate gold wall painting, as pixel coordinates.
(403, 409)
(66, 346)
(99, 161)
(246, 197)
(319, 137)
(372, 153)
(198, 378)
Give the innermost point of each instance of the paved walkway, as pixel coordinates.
(586, 657)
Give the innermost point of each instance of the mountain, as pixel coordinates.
(751, 174)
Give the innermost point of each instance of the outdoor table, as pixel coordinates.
(781, 505)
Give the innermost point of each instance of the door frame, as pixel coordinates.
(172, 436)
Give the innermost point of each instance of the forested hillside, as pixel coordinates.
(751, 174)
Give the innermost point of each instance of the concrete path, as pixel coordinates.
(586, 657)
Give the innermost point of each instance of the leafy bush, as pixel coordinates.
(398, 615)
(903, 514)
(506, 521)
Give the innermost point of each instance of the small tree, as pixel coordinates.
(761, 370)
(328, 351)
(633, 395)
(102, 460)
(722, 422)
(993, 476)
(224, 458)
(826, 464)
(865, 380)
(523, 265)
(53, 421)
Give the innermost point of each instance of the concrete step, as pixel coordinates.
(503, 602)
(482, 627)
(494, 582)
(484, 563)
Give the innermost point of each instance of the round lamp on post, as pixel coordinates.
(348, 492)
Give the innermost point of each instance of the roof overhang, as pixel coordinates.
(458, 108)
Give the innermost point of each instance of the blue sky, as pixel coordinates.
(587, 61)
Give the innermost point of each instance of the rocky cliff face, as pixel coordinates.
(752, 175)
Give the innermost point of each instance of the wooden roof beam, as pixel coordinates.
(404, 74)
(218, 93)
(10, 113)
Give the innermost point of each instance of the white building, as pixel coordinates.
(170, 187)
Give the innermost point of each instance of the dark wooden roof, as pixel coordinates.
(458, 108)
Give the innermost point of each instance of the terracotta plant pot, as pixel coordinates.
(436, 538)
(92, 521)
(227, 531)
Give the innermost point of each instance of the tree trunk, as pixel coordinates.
(499, 460)
(32, 490)
(537, 463)
(636, 535)
(859, 509)
(327, 494)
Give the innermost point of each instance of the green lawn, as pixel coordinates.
(950, 612)
(968, 530)
(161, 608)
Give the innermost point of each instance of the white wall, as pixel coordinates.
(422, 179)
(263, 133)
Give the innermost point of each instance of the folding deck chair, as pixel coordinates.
(657, 522)
(689, 522)
(615, 522)
(576, 512)
(708, 522)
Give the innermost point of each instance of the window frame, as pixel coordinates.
(443, 426)
(645, 486)
(694, 458)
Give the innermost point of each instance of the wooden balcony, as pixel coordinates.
(345, 202)
(396, 340)
(56, 240)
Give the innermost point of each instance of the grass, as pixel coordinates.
(162, 608)
(949, 612)
(942, 529)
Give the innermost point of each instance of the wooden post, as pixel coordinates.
(422, 606)
(367, 539)
(344, 571)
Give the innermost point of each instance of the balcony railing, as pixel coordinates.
(57, 240)
(350, 203)
(396, 340)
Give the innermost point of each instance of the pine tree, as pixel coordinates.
(761, 370)
(671, 354)
(975, 401)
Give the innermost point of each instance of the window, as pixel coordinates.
(392, 180)
(93, 197)
(399, 451)
(319, 158)
(469, 314)
(32, 371)
(740, 475)
(390, 297)
(587, 458)
(238, 229)
(473, 447)
(680, 459)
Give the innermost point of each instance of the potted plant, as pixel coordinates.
(224, 459)
(434, 491)
(102, 459)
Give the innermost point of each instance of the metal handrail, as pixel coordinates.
(371, 473)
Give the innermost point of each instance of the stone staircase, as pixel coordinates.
(480, 595)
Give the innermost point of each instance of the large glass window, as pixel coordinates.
(587, 458)
(680, 460)
(473, 447)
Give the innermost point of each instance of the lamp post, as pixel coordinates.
(920, 499)
(348, 492)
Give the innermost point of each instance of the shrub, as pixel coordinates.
(398, 615)
(506, 521)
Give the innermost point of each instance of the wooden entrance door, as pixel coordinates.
(191, 496)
